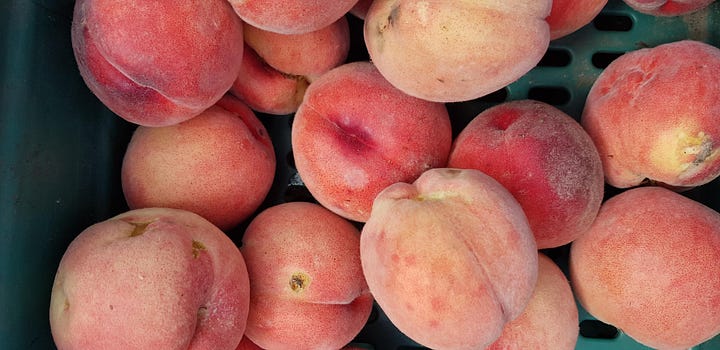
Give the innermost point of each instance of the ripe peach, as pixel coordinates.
(450, 51)
(157, 63)
(361, 8)
(653, 113)
(355, 134)
(450, 259)
(307, 287)
(247, 344)
(277, 68)
(550, 320)
(150, 279)
(544, 158)
(567, 16)
(219, 165)
(291, 16)
(645, 268)
(668, 7)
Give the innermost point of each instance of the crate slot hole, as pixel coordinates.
(550, 94)
(603, 59)
(613, 23)
(555, 57)
(598, 330)
(495, 96)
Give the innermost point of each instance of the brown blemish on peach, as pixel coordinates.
(139, 228)
(197, 247)
(299, 281)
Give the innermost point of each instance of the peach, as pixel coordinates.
(450, 258)
(247, 344)
(307, 287)
(361, 8)
(355, 134)
(544, 158)
(291, 16)
(550, 320)
(157, 63)
(449, 51)
(277, 68)
(220, 165)
(644, 268)
(567, 16)
(653, 113)
(667, 8)
(153, 278)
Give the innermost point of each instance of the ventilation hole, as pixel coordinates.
(549, 94)
(495, 97)
(297, 192)
(408, 347)
(613, 23)
(374, 314)
(598, 330)
(603, 59)
(555, 58)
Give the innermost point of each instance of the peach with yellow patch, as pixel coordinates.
(653, 115)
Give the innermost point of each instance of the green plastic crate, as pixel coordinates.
(61, 149)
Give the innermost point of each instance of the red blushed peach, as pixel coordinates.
(355, 134)
(307, 286)
(277, 68)
(247, 344)
(567, 16)
(309, 54)
(265, 89)
(550, 320)
(291, 16)
(150, 279)
(157, 63)
(361, 8)
(450, 51)
(647, 266)
(668, 8)
(653, 115)
(219, 165)
(544, 158)
(450, 259)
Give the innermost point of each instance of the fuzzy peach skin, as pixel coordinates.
(277, 68)
(220, 165)
(648, 266)
(265, 89)
(355, 134)
(307, 286)
(449, 51)
(667, 8)
(157, 63)
(247, 344)
(153, 278)
(361, 8)
(544, 158)
(653, 115)
(567, 16)
(550, 320)
(291, 16)
(450, 258)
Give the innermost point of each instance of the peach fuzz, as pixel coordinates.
(152, 278)
(157, 63)
(291, 16)
(567, 16)
(277, 68)
(247, 344)
(307, 286)
(450, 259)
(645, 267)
(667, 8)
(449, 51)
(355, 134)
(550, 320)
(653, 115)
(544, 158)
(220, 165)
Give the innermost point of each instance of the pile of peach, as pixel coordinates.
(444, 232)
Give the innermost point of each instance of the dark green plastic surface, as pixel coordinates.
(61, 150)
